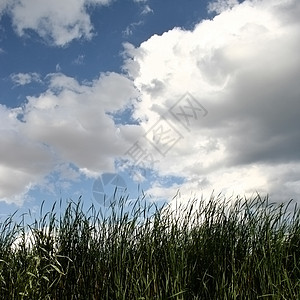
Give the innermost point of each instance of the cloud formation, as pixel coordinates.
(147, 10)
(67, 124)
(219, 6)
(243, 67)
(4, 4)
(57, 22)
(25, 78)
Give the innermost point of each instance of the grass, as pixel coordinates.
(247, 249)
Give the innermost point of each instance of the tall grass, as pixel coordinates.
(247, 249)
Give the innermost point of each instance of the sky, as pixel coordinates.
(151, 96)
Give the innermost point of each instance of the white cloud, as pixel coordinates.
(25, 78)
(23, 161)
(57, 22)
(72, 119)
(66, 124)
(146, 10)
(243, 67)
(131, 27)
(4, 4)
(219, 6)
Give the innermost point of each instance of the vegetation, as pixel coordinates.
(246, 249)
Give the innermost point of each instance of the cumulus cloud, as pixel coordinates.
(57, 22)
(25, 78)
(68, 123)
(72, 119)
(23, 161)
(243, 67)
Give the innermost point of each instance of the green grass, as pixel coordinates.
(246, 249)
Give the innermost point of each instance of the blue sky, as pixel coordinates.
(196, 96)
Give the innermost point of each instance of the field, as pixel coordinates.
(220, 249)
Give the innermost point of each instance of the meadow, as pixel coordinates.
(217, 249)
